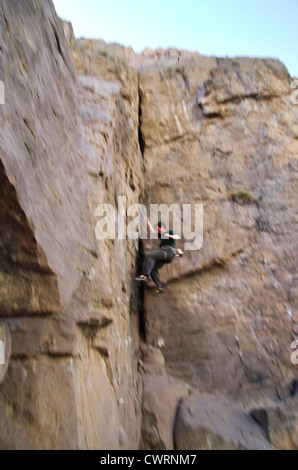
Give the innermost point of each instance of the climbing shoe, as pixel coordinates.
(158, 292)
(141, 278)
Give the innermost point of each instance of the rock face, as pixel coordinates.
(83, 124)
(225, 135)
(67, 145)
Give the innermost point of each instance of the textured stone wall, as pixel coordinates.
(84, 123)
(67, 145)
(225, 135)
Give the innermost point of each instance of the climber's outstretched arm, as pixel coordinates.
(174, 237)
(150, 226)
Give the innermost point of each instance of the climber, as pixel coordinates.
(165, 255)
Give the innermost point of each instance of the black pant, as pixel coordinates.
(155, 261)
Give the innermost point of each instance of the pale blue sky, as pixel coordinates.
(258, 28)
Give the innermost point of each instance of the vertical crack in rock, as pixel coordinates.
(141, 295)
(140, 255)
(140, 134)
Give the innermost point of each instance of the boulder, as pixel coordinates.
(213, 423)
(280, 423)
(161, 395)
